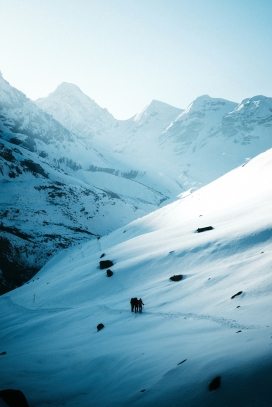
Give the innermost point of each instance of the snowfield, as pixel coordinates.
(190, 331)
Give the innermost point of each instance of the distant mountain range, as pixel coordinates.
(71, 172)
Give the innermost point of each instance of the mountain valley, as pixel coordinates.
(71, 172)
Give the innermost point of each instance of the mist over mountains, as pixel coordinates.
(71, 172)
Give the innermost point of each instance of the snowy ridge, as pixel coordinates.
(215, 322)
(213, 136)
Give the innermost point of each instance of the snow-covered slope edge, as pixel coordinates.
(190, 332)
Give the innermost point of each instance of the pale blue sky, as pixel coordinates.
(124, 53)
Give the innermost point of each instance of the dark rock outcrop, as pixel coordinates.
(176, 277)
(14, 398)
(215, 383)
(104, 264)
(199, 230)
(100, 326)
(235, 295)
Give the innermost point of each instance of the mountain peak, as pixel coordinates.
(205, 103)
(76, 111)
(68, 87)
(156, 107)
(157, 104)
(63, 90)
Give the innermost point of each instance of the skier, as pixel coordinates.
(140, 305)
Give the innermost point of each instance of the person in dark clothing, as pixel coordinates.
(133, 303)
(140, 305)
(136, 305)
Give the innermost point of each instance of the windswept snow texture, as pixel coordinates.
(189, 333)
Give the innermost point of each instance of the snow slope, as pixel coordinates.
(190, 331)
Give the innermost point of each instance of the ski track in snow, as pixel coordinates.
(21, 308)
(230, 323)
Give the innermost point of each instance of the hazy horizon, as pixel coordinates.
(124, 54)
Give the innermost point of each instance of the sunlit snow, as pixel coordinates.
(55, 355)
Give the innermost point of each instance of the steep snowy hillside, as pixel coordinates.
(213, 136)
(76, 111)
(57, 190)
(202, 341)
(44, 210)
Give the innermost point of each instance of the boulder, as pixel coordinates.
(235, 295)
(176, 277)
(14, 398)
(109, 273)
(199, 230)
(104, 264)
(215, 383)
(99, 327)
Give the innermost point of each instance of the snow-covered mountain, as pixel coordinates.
(76, 111)
(213, 136)
(57, 190)
(60, 185)
(193, 146)
(137, 136)
(202, 341)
